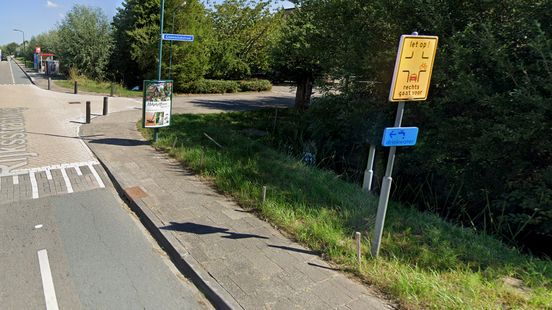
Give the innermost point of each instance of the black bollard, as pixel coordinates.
(76, 89)
(105, 106)
(88, 112)
(112, 89)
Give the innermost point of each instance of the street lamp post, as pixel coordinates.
(23, 32)
(170, 48)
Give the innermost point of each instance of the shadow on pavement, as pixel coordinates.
(293, 249)
(244, 104)
(121, 142)
(61, 136)
(323, 267)
(199, 229)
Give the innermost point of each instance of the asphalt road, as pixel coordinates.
(66, 239)
(98, 256)
(10, 73)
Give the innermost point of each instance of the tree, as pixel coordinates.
(190, 59)
(244, 34)
(10, 49)
(48, 43)
(85, 42)
(136, 35)
(482, 159)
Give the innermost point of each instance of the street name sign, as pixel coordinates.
(399, 136)
(413, 68)
(177, 37)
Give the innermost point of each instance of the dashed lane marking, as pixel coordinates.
(47, 281)
(66, 179)
(98, 179)
(48, 173)
(34, 186)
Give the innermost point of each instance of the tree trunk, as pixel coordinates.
(304, 91)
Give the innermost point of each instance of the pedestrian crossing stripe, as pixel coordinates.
(43, 183)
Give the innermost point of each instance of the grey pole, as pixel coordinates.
(386, 188)
(112, 89)
(75, 88)
(22, 32)
(49, 83)
(104, 106)
(161, 17)
(88, 112)
(369, 172)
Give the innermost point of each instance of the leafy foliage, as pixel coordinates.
(245, 31)
(85, 41)
(136, 35)
(489, 84)
(205, 86)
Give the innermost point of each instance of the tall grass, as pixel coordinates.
(425, 262)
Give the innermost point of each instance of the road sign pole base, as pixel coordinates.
(380, 217)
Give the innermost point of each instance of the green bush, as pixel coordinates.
(255, 85)
(205, 86)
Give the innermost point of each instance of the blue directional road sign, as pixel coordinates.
(400, 136)
(177, 37)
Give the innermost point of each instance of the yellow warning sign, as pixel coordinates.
(413, 68)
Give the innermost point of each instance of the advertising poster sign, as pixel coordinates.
(157, 103)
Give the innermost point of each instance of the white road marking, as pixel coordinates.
(77, 168)
(34, 186)
(67, 182)
(48, 174)
(47, 281)
(39, 226)
(15, 179)
(100, 182)
(47, 169)
(11, 70)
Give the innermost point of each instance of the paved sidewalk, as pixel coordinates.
(242, 261)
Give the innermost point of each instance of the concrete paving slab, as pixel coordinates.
(243, 258)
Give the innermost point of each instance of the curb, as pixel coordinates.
(185, 262)
(28, 76)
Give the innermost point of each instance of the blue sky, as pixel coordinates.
(38, 16)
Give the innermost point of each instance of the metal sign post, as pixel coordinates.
(411, 79)
(161, 20)
(386, 188)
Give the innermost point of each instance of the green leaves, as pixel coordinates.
(84, 41)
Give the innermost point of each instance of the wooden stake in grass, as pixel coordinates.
(174, 142)
(357, 238)
(202, 158)
(264, 194)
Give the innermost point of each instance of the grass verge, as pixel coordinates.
(425, 263)
(88, 85)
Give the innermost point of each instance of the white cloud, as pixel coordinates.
(51, 4)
